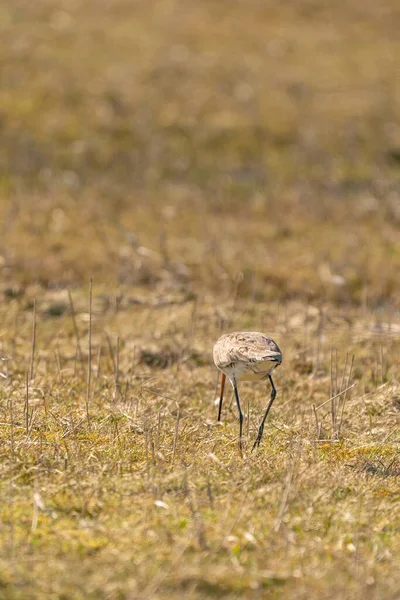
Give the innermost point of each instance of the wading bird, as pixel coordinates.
(249, 356)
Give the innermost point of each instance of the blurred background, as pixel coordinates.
(247, 149)
(211, 166)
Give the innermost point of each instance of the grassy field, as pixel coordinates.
(210, 167)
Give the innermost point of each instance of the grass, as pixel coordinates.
(209, 170)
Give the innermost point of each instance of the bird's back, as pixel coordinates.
(252, 354)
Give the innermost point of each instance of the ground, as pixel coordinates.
(170, 171)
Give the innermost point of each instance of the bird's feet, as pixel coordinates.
(258, 438)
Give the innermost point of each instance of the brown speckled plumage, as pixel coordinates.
(249, 348)
(247, 355)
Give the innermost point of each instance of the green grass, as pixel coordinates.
(211, 169)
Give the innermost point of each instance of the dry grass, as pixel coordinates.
(211, 169)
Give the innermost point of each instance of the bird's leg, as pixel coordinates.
(221, 395)
(261, 428)
(240, 413)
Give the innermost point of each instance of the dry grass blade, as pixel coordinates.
(89, 367)
(117, 387)
(33, 349)
(337, 395)
(75, 325)
(11, 409)
(178, 416)
(317, 423)
(27, 404)
(345, 393)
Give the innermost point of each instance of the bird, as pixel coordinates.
(246, 356)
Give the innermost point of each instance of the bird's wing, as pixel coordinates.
(248, 347)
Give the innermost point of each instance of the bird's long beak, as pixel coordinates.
(221, 395)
